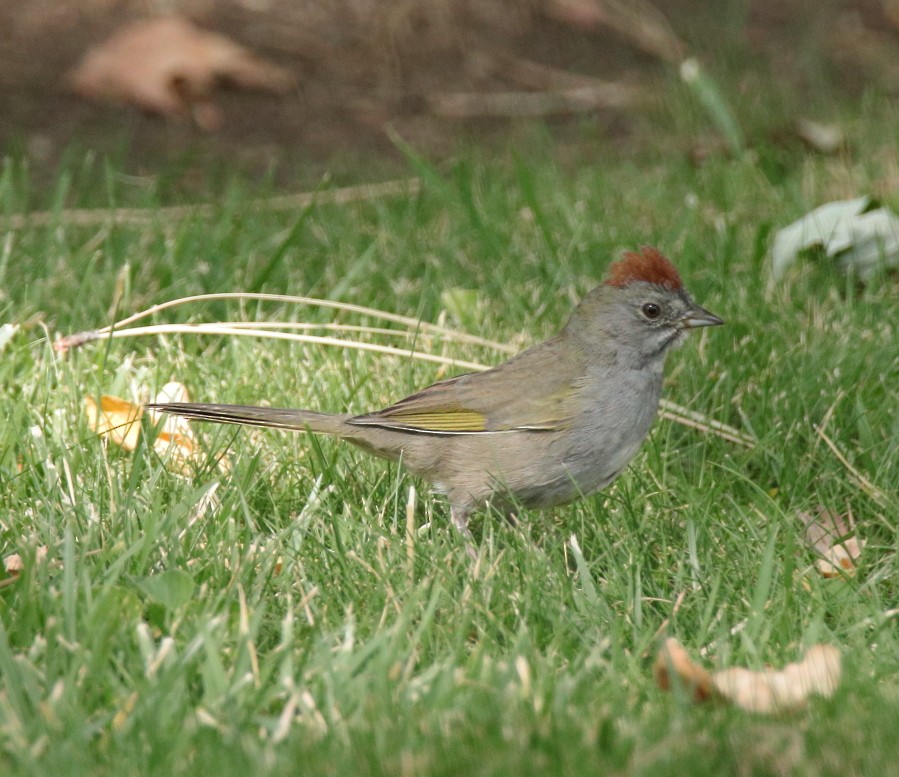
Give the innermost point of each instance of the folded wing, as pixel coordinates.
(519, 396)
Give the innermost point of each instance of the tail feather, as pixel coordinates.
(250, 415)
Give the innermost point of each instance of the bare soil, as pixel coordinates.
(364, 65)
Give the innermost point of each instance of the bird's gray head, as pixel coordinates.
(640, 312)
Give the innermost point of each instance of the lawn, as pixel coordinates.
(275, 618)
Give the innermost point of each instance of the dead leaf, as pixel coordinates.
(820, 137)
(119, 421)
(860, 235)
(771, 691)
(6, 334)
(14, 564)
(176, 441)
(115, 419)
(673, 658)
(179, 451)
(832, 537)
(169, 66)
(173, 391)
(766, 691)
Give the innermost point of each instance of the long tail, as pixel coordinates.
(249, 415)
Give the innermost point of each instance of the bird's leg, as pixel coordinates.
(459, 517)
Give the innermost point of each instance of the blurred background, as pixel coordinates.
(338, 78)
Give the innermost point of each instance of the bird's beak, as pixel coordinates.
(700, 317)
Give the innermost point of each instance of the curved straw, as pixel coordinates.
(414, 323)
(239, 331)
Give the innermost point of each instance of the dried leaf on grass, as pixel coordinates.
(176, 441)
(858, 234)
(118, 421)
(168, 66)
(832, 536)
(6, 334)
(673, 660)
(14, 564)
(819, 136)
(765, 691)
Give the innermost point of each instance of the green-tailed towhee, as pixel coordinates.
(558, 421)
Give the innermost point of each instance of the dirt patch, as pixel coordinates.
(361, 65)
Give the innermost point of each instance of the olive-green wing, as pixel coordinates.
(517, 396)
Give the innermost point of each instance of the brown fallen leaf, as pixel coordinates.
(766, 691)
(179, 451)
(819, 136)
(674, 659)
(168, 66)
(14, 564)
(176, 442)
(832, 536)
(115, 419)
(118, 421)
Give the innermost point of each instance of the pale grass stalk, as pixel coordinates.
(408, 321)
(410, 529)
(244, 630)
(678, 413)
(305, 601)
(237, 331)
(88, 217)
(857, 477)
(366, 330)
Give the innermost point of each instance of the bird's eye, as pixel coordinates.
(651, 310)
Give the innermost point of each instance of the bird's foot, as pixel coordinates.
(459, 517)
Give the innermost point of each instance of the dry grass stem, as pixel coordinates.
(239, 331)
(857, 477)
(639, 21)
(410, 529)
(407, 321)
(580, 99)
(539, 76)
(88, 217)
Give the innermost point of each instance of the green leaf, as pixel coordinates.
(171, 589)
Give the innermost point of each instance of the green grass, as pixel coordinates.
(284, 630)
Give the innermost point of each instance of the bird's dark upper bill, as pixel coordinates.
(701, 317)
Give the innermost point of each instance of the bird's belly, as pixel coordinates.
(575, 465)
(547, 468)
(566, 478)
(535, 469)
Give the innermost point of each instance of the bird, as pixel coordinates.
(559, 421)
